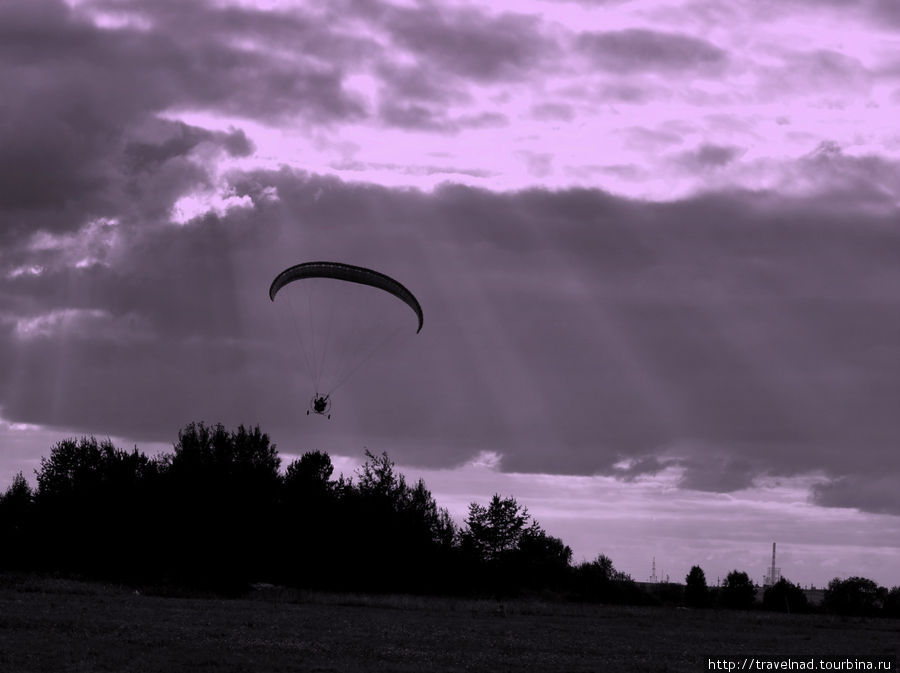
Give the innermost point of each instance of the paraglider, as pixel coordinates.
(339, 328)
(320, 404)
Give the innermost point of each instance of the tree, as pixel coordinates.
(599, 581)
(16, 501)
(310, 525)
(220, 512)
(16, 514)
(92, 507)
(496, 530)
(310, 473)
(696, 593)
(435, 522)
(738, 592)
(785, 597)
(892, 603)
(377, 479)
(393, 535)
(856, 596)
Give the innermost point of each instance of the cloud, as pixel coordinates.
(885, 11)
(717, 475)
(845, 181)
(735, 335)
(825, 73)
(416, 83)
(86, 134)
(540, 164)
(414, 116)
(868, 491)
(708, 156)
(420, 117)
(553, 112)
(175, 139)
(469, 43)
(650, 140)
(639, 49)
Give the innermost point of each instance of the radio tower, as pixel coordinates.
(774, 574)
(653, 577)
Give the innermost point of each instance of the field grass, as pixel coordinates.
(64, 626)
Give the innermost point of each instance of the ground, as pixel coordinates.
(66, 626)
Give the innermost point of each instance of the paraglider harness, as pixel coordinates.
(320, 404)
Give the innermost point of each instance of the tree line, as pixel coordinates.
(218, 513)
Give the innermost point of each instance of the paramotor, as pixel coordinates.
(337, 327)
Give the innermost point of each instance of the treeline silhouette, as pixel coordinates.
(217, 513)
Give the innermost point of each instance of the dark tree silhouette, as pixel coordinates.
(310, 522)
(310, 474)
(696, 593)
(215, 513)
(93, 506)
(394, 537)
(599, 581)
(222, 491)
(785, 597)
(505, 550)
(856, 596)
(891, 606)
(16, 512)
(497, 529)
(545, 560)
(738, 592)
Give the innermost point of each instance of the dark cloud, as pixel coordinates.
(715, 475)
(861, 181)
(637, 49)
(236, 143)
(733, 334)
(871, 491)
(708, 156)
(84, 111)
(420, 117)
(470, 43)
(307, 35)
(417, 84)
(737, 335)
(175, 140)
(414, 116)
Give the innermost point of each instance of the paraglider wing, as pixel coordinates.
(350, 273)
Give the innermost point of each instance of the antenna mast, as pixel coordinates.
(774, 573)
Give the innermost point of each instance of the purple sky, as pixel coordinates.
(656, 245)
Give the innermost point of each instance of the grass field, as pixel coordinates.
(64, 626)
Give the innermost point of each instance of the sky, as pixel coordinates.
(656, 245)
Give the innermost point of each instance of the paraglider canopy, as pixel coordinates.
(350, 273)
(338, 322)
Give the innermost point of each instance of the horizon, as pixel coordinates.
(655, 245)
(446, 486)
